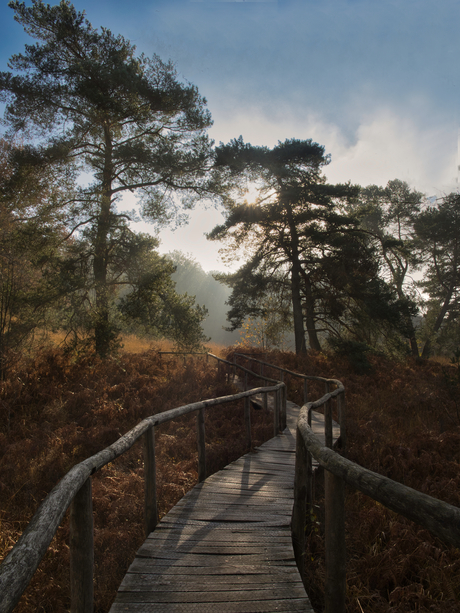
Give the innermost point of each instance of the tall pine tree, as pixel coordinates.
(83, 98)
(295, 233)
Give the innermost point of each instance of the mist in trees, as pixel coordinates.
(87, 120)
(85, 105)
(305, 247)
(191, 279)
(375, 266)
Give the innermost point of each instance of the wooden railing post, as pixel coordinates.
(265, 398)
(302, 484)
(82, 551)
(328, 420)
(150, 483)
(342, 413)
(335, 588)
(245, 381)
(201, 445)
(305, 391)
(247, 421)
(276, 413)
(283, 410)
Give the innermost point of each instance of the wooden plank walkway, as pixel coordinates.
(226, 546)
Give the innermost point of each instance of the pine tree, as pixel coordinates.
(294, 231)
(84, 99)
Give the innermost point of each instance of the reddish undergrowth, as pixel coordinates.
(401, 421)
(56, 412)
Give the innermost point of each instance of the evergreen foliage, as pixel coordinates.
(438, 233)
(388, 215)
(302, 243)
(31, 235)
(86, 101)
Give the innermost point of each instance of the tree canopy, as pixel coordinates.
(438, 232)
(387, 215)
(86, 101)
(297, 232)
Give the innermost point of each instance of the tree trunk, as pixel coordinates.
(413, 341)
(296, 270)
(410, 325)
(299, 330)
(445, 307)
(103, 332)
(309, 318)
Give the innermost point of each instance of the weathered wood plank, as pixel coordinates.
(133, 582)
(259, 459)
(219, 557)
(270, 522)
(279, 606)
(248, 481)
(227, 596)
(232, 501)
(209, 531)
(226, 547)
(237, 489)
(143, 566)
(238, 514)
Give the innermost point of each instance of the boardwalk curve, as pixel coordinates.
(226, 546)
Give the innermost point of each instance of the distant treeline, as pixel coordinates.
(190, 278)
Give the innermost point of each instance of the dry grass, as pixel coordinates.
(129, 343)
(402, 422)
(55, 412)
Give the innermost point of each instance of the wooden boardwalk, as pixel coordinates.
(226, 546)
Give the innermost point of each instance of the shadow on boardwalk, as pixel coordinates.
(226, 546)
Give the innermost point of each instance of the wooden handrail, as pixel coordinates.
(440, 518)
(339, 392)
(74, 489)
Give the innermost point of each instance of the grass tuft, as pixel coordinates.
(402, 422)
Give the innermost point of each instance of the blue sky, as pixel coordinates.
(374, 81)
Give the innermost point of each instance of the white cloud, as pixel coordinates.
(387, 144)
(390, 146)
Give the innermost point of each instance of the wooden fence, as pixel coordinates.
(440, 518)
(74, 489)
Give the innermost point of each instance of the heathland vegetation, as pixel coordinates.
(403, 422)
(363, 281)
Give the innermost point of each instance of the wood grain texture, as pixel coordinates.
(227, 545)
(19, 566)
(441, 518)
